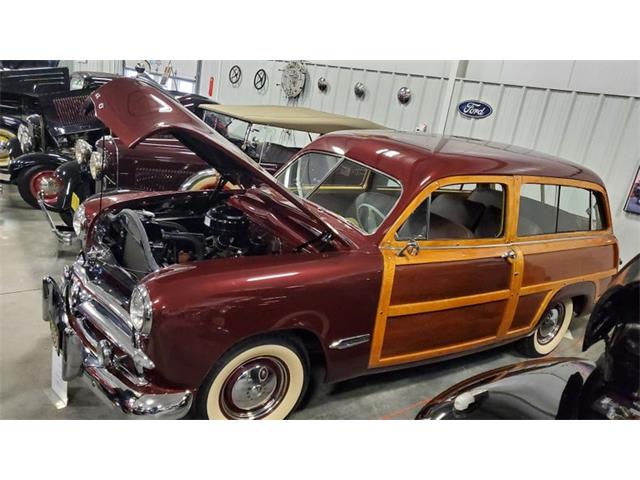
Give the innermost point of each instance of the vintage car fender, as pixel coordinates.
(74, 180)
(232, 300)
(10, 122)
(28, 160)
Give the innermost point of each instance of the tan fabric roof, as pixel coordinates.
(293, 118)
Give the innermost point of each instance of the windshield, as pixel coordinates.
(360, 195)
(263, 143)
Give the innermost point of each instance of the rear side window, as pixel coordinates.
(558, 209)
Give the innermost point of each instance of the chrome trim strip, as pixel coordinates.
(489, 245)
(349, 342)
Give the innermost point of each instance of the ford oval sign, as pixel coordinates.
(474, 109)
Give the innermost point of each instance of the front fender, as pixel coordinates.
(28, 160)
(205, 308)
(75, 179)
(10, 122)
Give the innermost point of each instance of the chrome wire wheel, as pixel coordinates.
(254, 389)
(550, 324)
(5, 137)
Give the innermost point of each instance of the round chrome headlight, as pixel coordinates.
(82, 150)
(79, 221)
(140, 310)
(96, 164)
(25, 138)
(76, 82)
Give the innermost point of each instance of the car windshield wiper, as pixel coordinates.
(324, 238)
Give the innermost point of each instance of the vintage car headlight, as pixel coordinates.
(77, 82)
(25, 137)
(140, 310)
(82, 150)
(95, 165)
(79, 221)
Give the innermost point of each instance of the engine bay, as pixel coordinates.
(179, 232)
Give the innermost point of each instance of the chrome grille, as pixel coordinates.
(158, 179)
(69, 109)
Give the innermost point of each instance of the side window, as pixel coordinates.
(456, 212)
(558, 209)
(538, 209)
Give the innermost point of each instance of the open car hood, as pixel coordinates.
(135, 110)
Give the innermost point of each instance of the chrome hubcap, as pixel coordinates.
(4, 146)
(48, 186)
(255, 388)
(550, 324)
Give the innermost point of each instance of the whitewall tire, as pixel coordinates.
(264, 379)
(551, 328)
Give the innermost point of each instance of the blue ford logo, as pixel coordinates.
(474, 109)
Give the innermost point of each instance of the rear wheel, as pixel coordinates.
(5, 137)
(34, 179)
(262, 379)
(551, 328)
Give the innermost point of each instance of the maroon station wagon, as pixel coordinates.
(372, 250)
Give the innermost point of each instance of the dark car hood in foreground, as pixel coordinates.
(543, 389)
(135, 110)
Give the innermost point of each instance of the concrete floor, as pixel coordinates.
(28, 251)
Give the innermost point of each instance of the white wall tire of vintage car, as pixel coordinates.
(293, 357)
(532, 345)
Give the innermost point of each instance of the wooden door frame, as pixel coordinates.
(443, 251)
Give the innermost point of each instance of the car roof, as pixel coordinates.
(294, 118)
(417, 159)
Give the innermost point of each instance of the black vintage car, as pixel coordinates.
(165, 163)
(43, 116)
(563, 388)
(19, 91)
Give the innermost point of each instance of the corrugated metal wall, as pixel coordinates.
(380, 103)
(598, 130)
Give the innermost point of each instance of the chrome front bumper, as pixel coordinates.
(93, 360)
(64, 234)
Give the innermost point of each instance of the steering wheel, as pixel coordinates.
(369, 217)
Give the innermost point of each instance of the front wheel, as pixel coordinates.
(551, 328)
(5, 138)
(35, 179)
(262, 379)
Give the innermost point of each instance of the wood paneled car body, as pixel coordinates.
(370, 250)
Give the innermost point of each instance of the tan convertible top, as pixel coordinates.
(293, 118)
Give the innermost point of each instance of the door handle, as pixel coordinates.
(509, 256)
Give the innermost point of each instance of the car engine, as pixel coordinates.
(144, 240)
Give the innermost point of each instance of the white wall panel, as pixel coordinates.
(595, 76)
(380, 103)
(109, 66)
